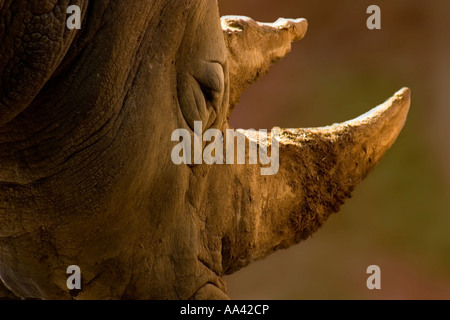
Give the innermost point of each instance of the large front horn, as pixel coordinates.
(318, 170)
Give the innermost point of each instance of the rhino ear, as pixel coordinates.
(254, 46)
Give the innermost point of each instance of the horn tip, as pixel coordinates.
(297, 27)
(403, 95)
(300, 27)
(401, 102)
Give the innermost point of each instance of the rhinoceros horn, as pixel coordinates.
(319, 167)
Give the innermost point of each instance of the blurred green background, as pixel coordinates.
(399, 217)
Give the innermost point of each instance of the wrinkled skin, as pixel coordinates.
(85, 149)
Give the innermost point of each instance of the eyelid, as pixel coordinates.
(210, 74)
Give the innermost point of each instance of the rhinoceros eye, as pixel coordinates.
(211, 78)
(200, 93)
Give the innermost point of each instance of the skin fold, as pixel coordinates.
(86, 175)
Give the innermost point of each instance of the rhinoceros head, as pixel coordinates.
(87, 175)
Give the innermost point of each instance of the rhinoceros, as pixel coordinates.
(86, 174)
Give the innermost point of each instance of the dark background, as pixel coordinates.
(399, 217)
